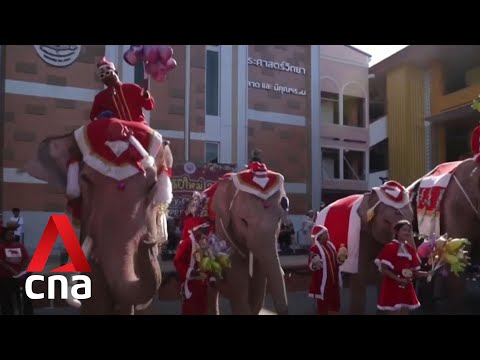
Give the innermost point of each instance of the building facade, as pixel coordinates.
(421, 97)
(306, 107)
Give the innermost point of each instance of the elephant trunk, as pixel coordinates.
(133, 275)
(269, 259)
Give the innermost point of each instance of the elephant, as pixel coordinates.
(119, 226)
(459, 217)
(248, 217)
(364, 224)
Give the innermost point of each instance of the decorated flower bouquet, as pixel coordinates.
(213, 256)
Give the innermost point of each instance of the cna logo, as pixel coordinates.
(59, 225)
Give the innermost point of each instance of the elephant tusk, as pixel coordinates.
(87, 249)
(250, 264)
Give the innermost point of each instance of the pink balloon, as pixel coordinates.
(426, 249)
(159, 76)
(166, 53)
(171, 64)
(151, 53)
(133, 55)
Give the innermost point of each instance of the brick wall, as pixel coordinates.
(24, 64)
(169, 112)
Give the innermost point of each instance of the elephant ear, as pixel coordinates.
(366, 210)
(51, 160)
(221, 202)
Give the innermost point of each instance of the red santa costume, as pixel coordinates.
(194, 289)
(326, 279)
(125, 101)
(475, 141)
(402, 260)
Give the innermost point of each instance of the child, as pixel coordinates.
(399, 264)
(194, 282)
(326, 281)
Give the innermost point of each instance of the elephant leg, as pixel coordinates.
(358, 294)
(101, 302)
(258, 285)
(238, 281)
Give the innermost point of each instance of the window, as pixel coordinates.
(379, 156)
(211, 152)
(353, 111)
(212, 81)
(329, 106)
(330, 163)
(354, 165)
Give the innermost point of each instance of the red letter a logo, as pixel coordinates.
(59, 225)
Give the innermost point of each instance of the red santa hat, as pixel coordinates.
(393, 194)
(318, 230)
(105, 64)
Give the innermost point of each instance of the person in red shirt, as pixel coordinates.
(399, 264)
(14, 260)
(123, 101)
(194, 282)
(326, 280)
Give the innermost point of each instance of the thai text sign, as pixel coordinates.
(189, 177)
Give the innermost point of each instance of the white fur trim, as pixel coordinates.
(262, 181)
(73, 185)
(394, 192)
(116, 172)
(251, 190)
(398, 307)
(164, 194)
(106, 66)
(379, 263)
(186, 290)
(316, 236)
(118, 147)
(136, 144)
(324, 268)
(148, 161)
(353, 242)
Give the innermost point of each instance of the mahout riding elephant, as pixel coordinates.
(363, 223)
(248, 208)
(122, 180)
(447, 200)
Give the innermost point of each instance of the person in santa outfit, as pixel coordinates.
(194, 283)
(399, 264)
(326, 280)
(123, 101)
(475, 141)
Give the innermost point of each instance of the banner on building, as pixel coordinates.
(189, 177)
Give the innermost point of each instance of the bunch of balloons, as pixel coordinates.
(157, 59)
(445, 251)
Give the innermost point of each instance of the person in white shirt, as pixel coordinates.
(17, 219)
(304, 238)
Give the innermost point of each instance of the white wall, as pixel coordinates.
(373, 178)
(378, 131)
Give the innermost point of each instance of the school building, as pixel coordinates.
(306, 107)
